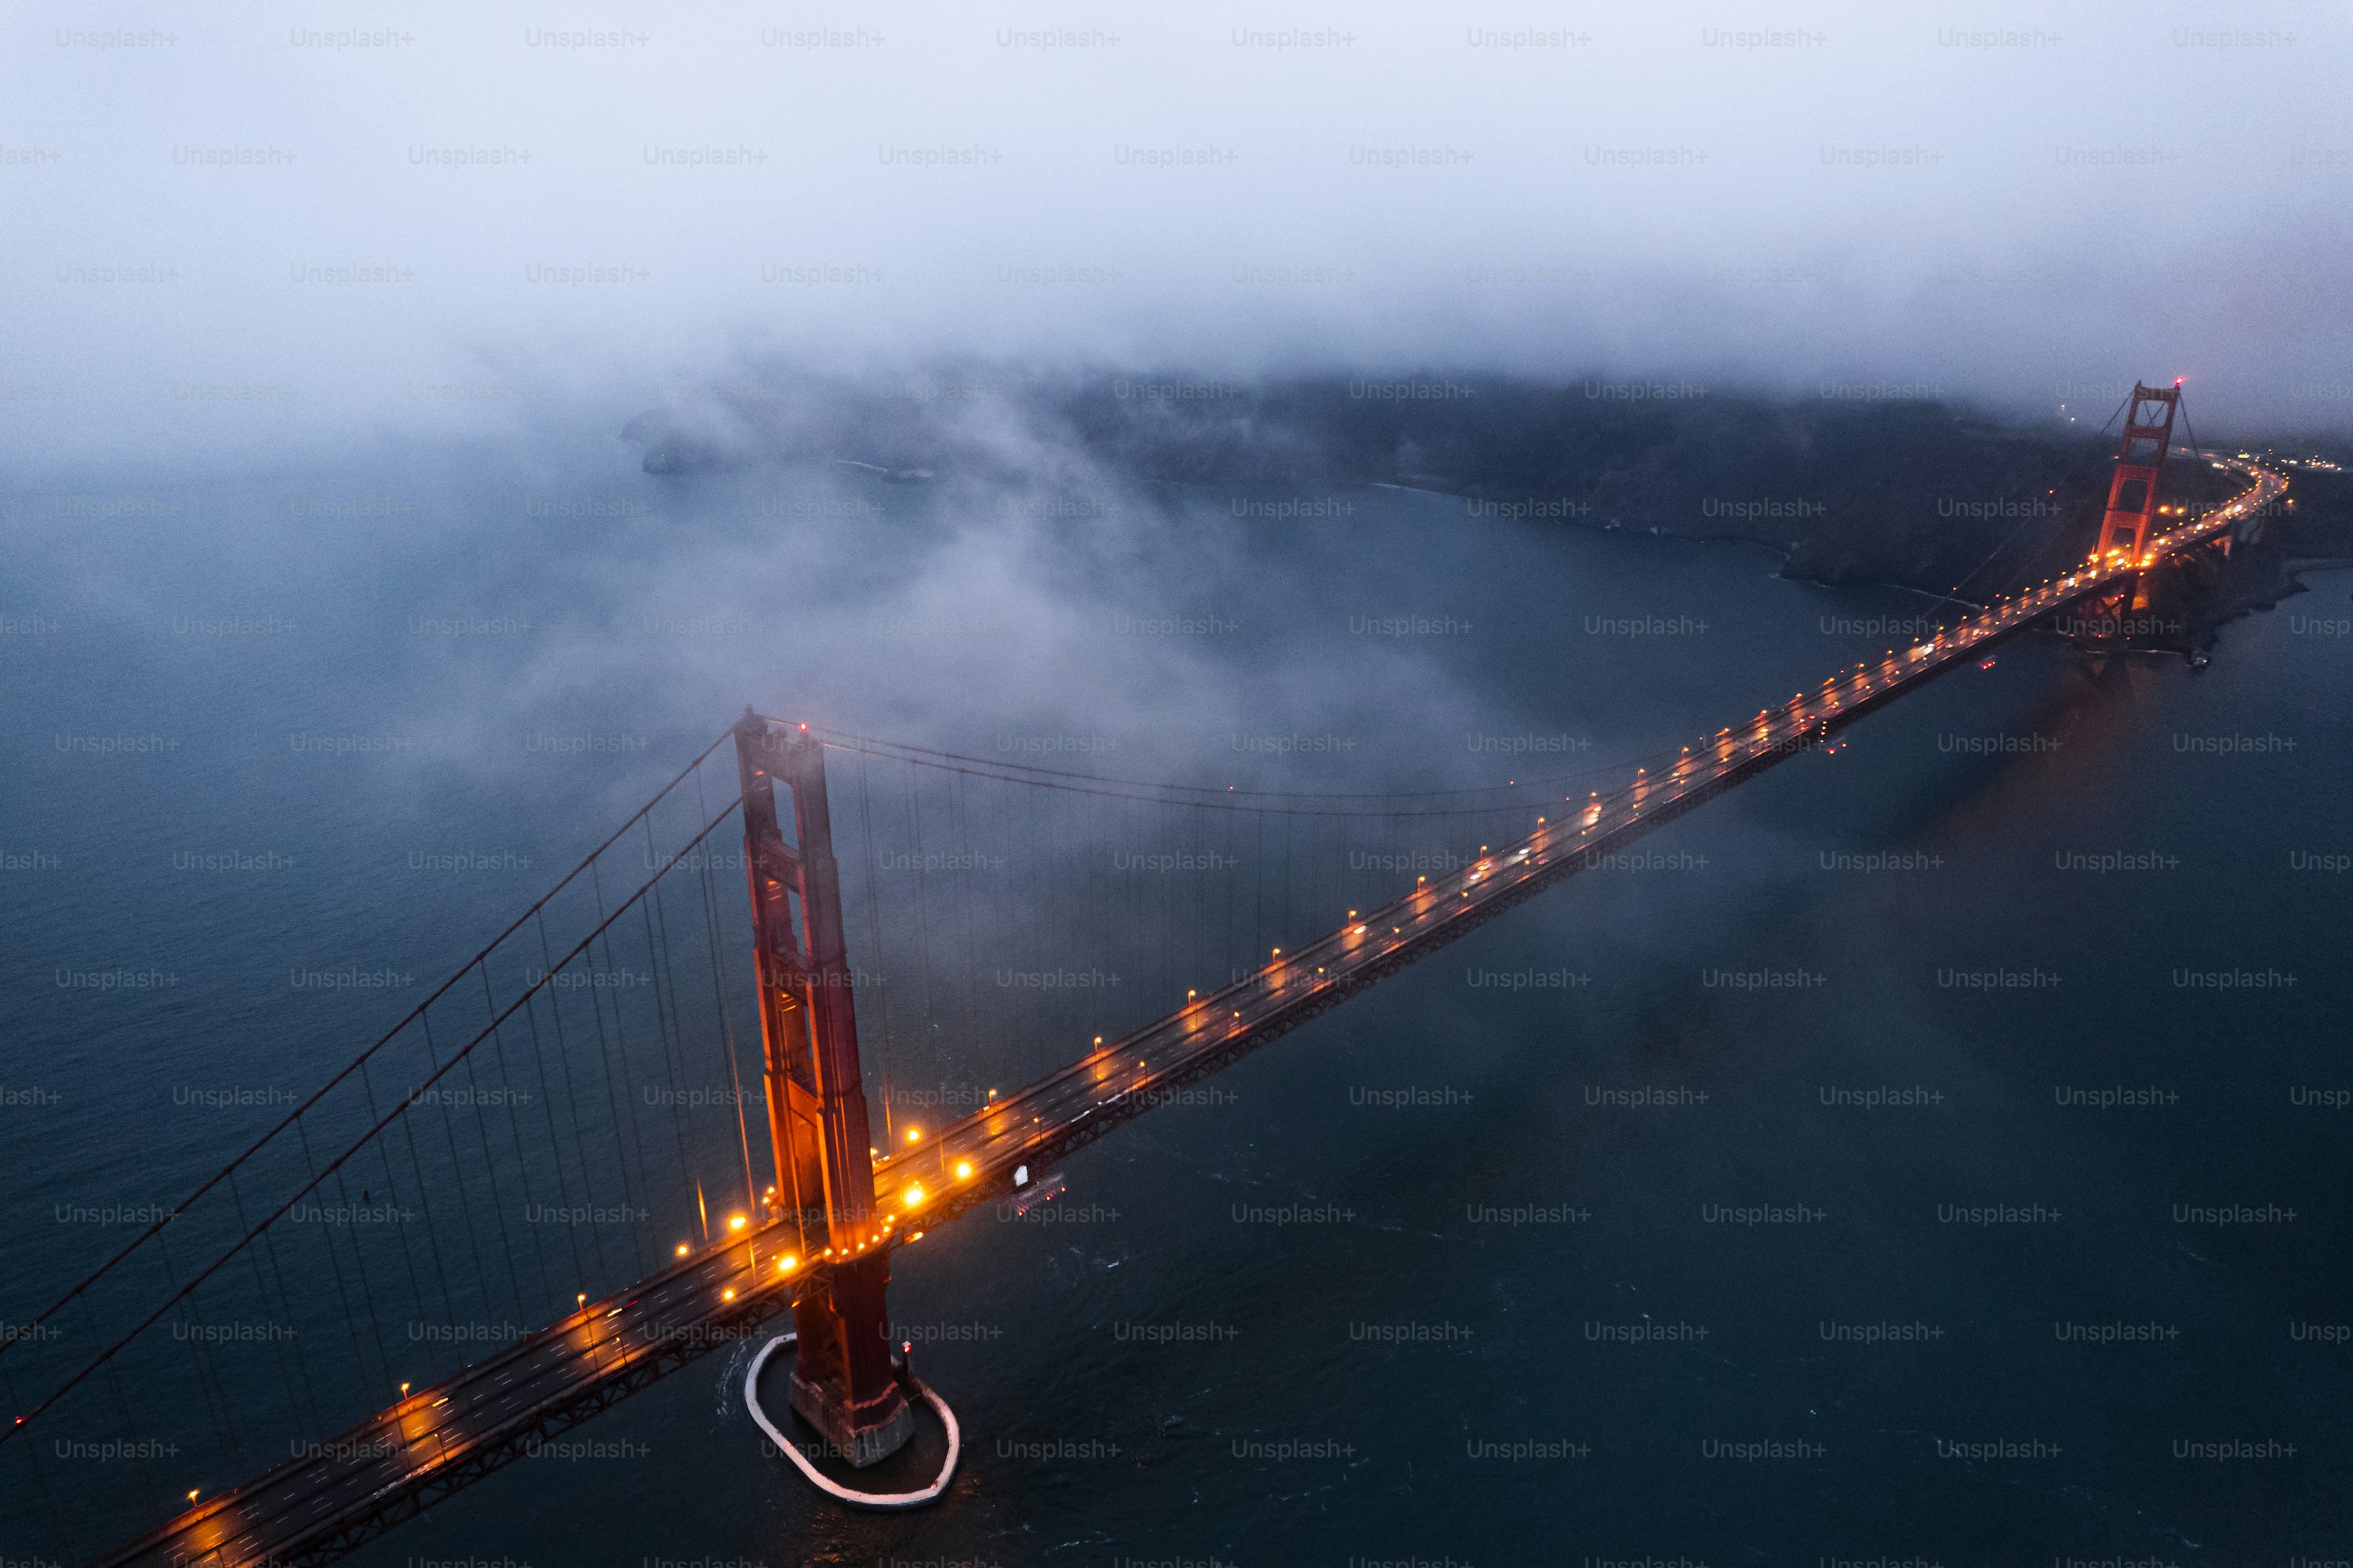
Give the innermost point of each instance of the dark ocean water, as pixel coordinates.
(1778, 1233)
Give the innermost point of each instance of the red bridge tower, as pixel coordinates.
(844, 1383)
(2132, 494)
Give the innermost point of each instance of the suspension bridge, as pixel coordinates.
(637, 1126)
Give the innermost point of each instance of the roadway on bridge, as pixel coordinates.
(1038, 1122)
(709, 1298)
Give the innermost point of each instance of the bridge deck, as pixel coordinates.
(319, 1505)
(316, 1506)
(1080, 1102)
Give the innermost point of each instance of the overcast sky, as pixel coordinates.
(231, 225)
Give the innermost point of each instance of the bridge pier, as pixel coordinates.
(844, 1383)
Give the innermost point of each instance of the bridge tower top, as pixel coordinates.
(2141, 457)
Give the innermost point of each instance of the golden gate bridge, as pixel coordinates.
(608, 1146)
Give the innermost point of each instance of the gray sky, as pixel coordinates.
(433, 214)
